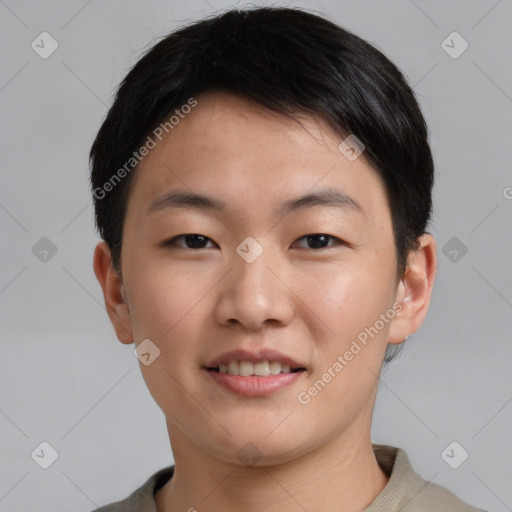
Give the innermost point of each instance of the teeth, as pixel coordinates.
(261, 369)
(275, 367)
(245, 368)
(232, 368)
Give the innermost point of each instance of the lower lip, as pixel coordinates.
(254, 386)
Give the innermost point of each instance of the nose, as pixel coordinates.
(254, 294)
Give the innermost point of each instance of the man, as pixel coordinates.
(262, 186)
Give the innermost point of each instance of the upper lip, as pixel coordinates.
(256, 356)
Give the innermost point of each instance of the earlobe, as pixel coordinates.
(415, 290)
(113, 293)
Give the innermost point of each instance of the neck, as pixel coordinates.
(341, 476)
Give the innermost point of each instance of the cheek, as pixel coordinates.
(345, 303)
(162, 299)
(168, 309)
(346, 299)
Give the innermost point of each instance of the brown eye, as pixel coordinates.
(191, 241)
(320, 241)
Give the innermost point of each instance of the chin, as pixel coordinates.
(256, 448)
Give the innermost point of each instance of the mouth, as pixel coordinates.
(255, 380)
(259, 369)
(265, 362)
(255, 373)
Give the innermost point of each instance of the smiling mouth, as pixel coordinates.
(260, 369)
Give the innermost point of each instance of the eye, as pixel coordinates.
(320, 240)
(191, 241)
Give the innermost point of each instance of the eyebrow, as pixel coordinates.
(331, 197)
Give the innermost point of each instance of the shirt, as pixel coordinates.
(405, 491)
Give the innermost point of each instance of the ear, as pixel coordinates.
(414, 290)
(113, 293)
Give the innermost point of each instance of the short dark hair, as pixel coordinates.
(289, 61)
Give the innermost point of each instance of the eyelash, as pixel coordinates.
(338, 241)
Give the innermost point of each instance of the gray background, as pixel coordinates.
(64, 377)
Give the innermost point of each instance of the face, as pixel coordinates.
(255, 269)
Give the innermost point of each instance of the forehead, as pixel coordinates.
(251, 158)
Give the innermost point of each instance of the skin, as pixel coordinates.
(310, 303)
